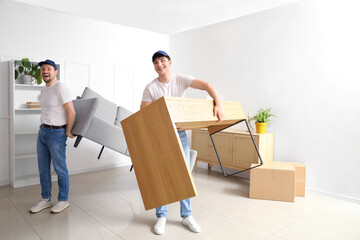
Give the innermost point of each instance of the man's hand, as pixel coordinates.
(218, 112)
(68, 133)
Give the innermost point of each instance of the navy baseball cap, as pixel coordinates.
(47, 61)
(160, 54)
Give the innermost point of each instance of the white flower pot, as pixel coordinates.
(26, 79)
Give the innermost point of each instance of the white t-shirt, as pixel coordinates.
(176, 87)
(52, 100)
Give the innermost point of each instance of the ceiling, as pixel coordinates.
(163, 16)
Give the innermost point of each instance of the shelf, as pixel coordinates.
(26, 133)
(23, 130)
(27, 109)
(24, 156)
(17, 85)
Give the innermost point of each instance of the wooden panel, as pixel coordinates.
(157, 155)
(188, 113)
(202, 144)
(224, 146)
(266, 147)
(217, 128)
(156, 151)
(244, 151)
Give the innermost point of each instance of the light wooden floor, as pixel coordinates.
(107, 205)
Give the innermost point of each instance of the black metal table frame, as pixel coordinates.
(218, 157)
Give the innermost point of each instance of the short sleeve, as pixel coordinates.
(147, 95)
(64, 94)
(185, 80)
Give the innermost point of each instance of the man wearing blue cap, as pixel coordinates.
(57, 119)
(174, 84)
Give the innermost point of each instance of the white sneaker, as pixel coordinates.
(60, 206)
(191, 224)
(159, 227)
(41, 205)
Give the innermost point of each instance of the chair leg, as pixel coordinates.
(101, 152)
(77, 141)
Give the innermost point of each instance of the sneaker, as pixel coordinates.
(60, 206)
(191, 224)
(41, 205)
(159, 227)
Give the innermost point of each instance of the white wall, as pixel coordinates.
(113, 60)
(302, 60)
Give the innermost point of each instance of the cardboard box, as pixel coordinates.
(273, 182)
(300, 174)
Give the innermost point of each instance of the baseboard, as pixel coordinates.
(217, 168)
(122, 164)
(4, 182)
(334, 196)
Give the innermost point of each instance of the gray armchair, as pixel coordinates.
(85, 111)
(98, 119)
(193, 155)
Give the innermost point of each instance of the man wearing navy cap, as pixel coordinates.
(174, 84)
(57, 119)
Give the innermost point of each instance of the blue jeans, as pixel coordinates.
(51, 145)
(185, 205)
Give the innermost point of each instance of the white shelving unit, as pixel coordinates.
(24, 126)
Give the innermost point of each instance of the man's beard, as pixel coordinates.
(50, 80)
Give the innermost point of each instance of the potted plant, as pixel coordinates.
(261, 119)
(27, 71)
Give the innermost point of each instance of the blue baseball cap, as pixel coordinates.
(160, 54)
(47, 61)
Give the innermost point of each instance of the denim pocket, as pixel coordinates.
(58, 132)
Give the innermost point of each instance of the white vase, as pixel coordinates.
(27, 79)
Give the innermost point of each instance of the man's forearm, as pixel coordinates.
(70, 120)
(212, 92)
(70, 117)
(218, 111)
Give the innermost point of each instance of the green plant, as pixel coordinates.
(25, 67)
(263, 115)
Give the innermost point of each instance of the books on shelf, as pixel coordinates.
(33, 104)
